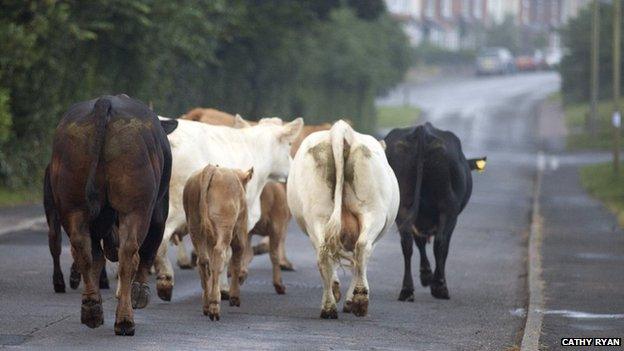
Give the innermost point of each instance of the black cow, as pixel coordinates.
(108, 182)
(435, 184)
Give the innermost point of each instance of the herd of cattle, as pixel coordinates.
(124, 183)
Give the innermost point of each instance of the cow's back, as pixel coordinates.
(134, 147)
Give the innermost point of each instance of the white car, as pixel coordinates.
(495, 60)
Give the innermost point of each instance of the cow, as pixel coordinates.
(110, 167)
(264, 147)
(216, 216)
(344, 196)
(435, 183)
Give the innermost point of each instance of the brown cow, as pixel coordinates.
(110, 166)
(216, 216)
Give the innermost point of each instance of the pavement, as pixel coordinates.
(582, 251)
(486, 268)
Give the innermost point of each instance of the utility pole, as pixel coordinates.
(593, 114)
(617, 119)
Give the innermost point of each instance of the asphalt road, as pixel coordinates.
(486, 268)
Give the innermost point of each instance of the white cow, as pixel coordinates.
(264, 147)
(344, 196)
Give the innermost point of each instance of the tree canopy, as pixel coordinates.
(322, 60)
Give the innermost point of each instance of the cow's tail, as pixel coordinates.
(341, 136)
(420, 161)
(101, 114)
(206, 224)
(477, 164)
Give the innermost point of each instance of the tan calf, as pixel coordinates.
(216, 216)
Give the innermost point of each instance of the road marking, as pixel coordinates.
(23, 225)
(583, 315)
(533, 326)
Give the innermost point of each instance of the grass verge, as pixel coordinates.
(579, 138)
(14, 197)
(600, 181)
(397, 116)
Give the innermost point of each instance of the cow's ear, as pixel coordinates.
(290, 131)
(245, 177)
(169, 125)
(239, 122)
(383, 144)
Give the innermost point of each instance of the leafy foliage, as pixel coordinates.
(576, 64)
(321, 59)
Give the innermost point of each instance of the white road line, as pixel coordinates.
(533, 326)
(23, 225)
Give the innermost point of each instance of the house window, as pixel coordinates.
(429, 11)
(465, 8)
(477, 9)
(447, 9)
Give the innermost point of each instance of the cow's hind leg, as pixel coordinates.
(328, 306)
(425, 268)
(275, 244)
(132, 231)
(103, 278)
(407, 246)
(54, 233)
(74, 276)
(182, 258)
(91, 313)
(217, 256)
(239, 247)
(439, 289)
(140, 293)
(164, 269)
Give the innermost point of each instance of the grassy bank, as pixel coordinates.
(397, 116)
(600, 181)
(579, 138)
(13, 197)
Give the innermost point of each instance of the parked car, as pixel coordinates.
(495, 60)
(530, 61)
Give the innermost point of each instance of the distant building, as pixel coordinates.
(459, 24)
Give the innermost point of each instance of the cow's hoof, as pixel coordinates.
(212, 311)
(185, 265)
(359, 305)
(406, 295)
(440, 291)
(235, 301)
(124, 328)
(104, 283)
(225, 295)
(58, 282)
(336, 291)
(287, 266)
(59, 287)
(164, 289)
(140, 295)
(261, 249)
(426, 277)
(91, 313)
(280, 289)
(347, 307)
(74, 279)
(330, 313)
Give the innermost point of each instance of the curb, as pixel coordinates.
(533, 326)
(23, 225)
